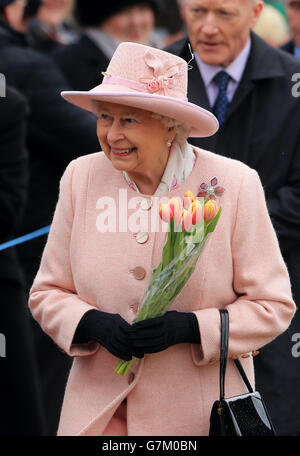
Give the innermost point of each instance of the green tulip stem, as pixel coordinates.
(170, 277)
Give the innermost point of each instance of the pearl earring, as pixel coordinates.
(169, 142)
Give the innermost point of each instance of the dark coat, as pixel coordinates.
(289, 47)
(14, 173)
(57, 133)
(261, 129)
(82, 63)
(21, 409)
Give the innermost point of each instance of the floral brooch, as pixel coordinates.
(211, 190)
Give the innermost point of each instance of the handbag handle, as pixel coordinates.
(224, 355)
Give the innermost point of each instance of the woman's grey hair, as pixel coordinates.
(182, 130)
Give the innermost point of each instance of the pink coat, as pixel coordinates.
(241, 268)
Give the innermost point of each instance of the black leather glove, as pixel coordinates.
(156, 334)
(110, 330)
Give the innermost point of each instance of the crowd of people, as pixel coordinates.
(241, 66)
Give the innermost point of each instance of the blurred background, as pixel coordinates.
(47, 46)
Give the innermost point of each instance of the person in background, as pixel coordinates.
(104, 26)
(279, 5)
(52, 141)
(21, 410)
(248, 85)
(272, 27)
(169, 24)
(30, 12)
(293, 14)
(52, 25)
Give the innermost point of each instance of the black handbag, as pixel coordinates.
(244, 415)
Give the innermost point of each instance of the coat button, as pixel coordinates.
(141, 237)
(131, 378)
(139, 273)
(146, 204)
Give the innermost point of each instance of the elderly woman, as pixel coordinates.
(96, 264)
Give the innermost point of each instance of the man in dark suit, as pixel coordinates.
(57, 133)
(21, 411)
(293, 15)
(104, 26)
(248, 85)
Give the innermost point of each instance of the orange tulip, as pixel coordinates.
(210, 210)
(176, 206)
(188, 199)
(196, 212)
(186, 219)
(165, 212)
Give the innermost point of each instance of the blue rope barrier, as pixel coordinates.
(25, 238)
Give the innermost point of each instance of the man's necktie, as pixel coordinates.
(220, 107)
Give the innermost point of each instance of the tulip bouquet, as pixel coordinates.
(190, 224)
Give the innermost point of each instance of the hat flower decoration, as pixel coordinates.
(163, 78)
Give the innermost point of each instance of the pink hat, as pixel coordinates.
(150, 79)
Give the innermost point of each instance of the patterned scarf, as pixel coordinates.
(180, 164)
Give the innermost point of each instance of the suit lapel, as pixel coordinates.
(263, 63)
(246, 84)
(196, 90)
(243, 89)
